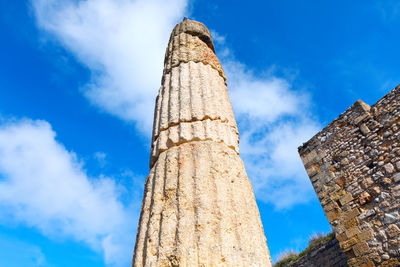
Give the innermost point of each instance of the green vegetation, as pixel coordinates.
(288, 257)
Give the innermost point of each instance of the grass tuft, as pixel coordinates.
(289, 256)
(286, 257)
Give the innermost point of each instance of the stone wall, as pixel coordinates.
(324, 254)
(354, 166)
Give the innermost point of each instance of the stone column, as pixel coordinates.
(198, 206)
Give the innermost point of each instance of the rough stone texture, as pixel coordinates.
(185, 132)
(325, 254)
(185, 48)
(198, 205)
(353, 165)
(193, 92)
(194, 28)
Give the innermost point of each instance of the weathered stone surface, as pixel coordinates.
(194, 28)
(192, 92)
(364, 129)
(390, 218)
(198, 205)
(389, 168)
(362, 151)
(184, 48)
(184, 132)
(199, 208)
(324, 254)
(393, 230)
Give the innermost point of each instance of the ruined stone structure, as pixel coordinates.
(198, 206)
(325, 254)
(354, 166)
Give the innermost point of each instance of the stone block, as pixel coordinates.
(396, 177)
(341, 237)
(375, 190)
(365, 235)
(368, 264)
(366, 183)
(352, 213)
(390, 263)
(365, 198)
(364, 129)
(309, 157)
(393, 230)
(346, 199)
(352, 231)
(360, 248)
(348, 244)
(341, 181)
(336, 195)
(396, 191)
(313, 170)
(389, 168)
(392, 217)
(386, 181)
(350, 223)
(332, 215)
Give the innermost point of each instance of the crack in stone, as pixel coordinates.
(192, 120)
(191, 141)
(220, 73)
(204, 38)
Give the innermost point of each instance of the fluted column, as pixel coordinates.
(198, 206)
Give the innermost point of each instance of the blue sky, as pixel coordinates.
(78, 81)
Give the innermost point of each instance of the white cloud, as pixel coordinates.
(122, 42)
(43, 185)
(274, 119)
